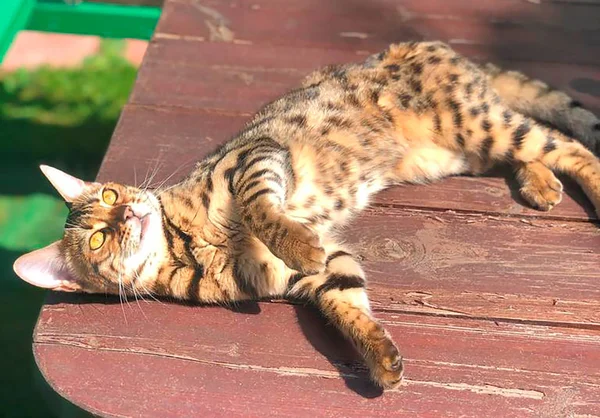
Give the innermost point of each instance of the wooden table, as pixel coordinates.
(495, 306)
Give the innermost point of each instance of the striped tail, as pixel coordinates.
(545, 105)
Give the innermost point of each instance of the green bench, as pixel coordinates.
(110, 18)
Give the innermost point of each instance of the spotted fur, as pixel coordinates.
(258, 218)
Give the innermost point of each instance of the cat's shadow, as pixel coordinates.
(59, 298)
(328, 341)
(570, 188)
(323, 337)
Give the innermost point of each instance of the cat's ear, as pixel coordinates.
(69, 187)
(46, 268)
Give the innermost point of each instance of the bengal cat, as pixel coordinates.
(258, 217)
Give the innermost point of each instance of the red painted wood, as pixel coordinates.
(239, 364)
(242, 78)
(502, 29)
(495, 306)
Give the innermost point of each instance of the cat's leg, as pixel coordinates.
(499, 134)
(536, 99)
(339, 293)
(261, 182)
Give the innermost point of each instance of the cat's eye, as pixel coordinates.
(109, 196)
(97, 240)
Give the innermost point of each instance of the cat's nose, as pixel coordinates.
(125, 212)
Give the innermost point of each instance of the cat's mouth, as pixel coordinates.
(140, 227)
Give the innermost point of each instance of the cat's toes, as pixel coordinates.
(306, 259)
(388, 370)
(543, 194)
(301, 249)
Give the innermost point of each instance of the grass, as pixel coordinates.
(64, 118)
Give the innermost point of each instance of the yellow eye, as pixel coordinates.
(97, 240)
(109, 196)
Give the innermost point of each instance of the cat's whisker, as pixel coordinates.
(135, 294)
(154, 173)
(148, 171)
(162, 183)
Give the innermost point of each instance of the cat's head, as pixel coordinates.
(111, 233)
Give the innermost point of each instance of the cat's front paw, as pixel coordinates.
(387, 368)
(300, 248)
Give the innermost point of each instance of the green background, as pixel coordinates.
(64, 118)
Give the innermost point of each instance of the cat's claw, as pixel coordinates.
(388, 369)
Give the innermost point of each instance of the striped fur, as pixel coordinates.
(258, 217)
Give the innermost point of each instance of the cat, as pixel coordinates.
(260, 217)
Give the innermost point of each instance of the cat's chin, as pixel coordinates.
(148, 227)
(150, 233)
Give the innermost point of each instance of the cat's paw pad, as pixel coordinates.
(543, 193)
(300, 249)
(388, 369)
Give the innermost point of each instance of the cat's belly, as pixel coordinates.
(430, 163)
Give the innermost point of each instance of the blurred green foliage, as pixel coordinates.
(65, 118)
(78, 99)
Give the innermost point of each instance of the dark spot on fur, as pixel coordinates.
(416, 68)
(205, 200)
(507, 116)
(520, 133)
(486, 147)
(475, 111)
(353, 100)
(456, 114)
(550, 145)
(416, 86)
(299, 120)
(469, 89)
(437, 123)
(338, 122)
(434, 60)
(392, 68)
(405, 99)
(575, 103)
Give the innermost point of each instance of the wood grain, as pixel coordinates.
(241, 78)
(243, 364)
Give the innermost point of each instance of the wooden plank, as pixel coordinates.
(242, 78)
(480, 266)
(175, 138)
(503, 30)
(222, 363)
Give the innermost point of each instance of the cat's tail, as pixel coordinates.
(548, 106)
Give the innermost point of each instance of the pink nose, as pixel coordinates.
(126, 212)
